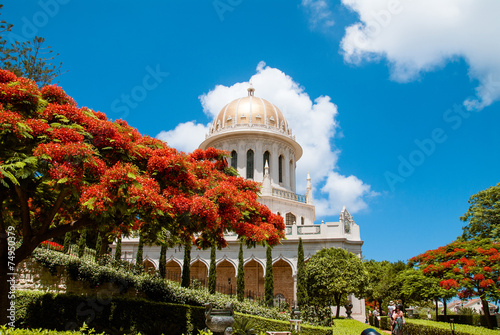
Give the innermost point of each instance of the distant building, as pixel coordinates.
(474, 304)
(263, 149)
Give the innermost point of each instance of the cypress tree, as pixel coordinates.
(212, 272)
(301, 277)
(118, 250)
(269, 281)
(98, 247)
(67, 242)
(186, 267)
(163, 260)
(82, 243)
(240, 280)
(138, 258)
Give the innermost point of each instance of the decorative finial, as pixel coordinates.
(250, 89)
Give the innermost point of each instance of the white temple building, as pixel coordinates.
(263, 149)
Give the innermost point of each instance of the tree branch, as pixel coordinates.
(30, 244)
(50, 217)
(25, 212)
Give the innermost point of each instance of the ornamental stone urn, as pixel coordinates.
(219, 321)
(348, 310)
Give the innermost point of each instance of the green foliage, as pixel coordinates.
(240, 279)
(334, 273)
(82, 243)
(301, 276)
(163, 260)
(269, 280)
(425, 327)
(140, 248)
(67, 242)
(112, 315)
(118, 250)
(30, 59)
(244, 326)
(212, 271)
(483, 215)
(186, 266)
(125, 277)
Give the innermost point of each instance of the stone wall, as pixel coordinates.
(34, 276)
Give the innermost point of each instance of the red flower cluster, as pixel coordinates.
(52, 245)
(55, 94)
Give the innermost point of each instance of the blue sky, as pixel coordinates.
(395, 101)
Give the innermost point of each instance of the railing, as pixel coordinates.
(289, 195)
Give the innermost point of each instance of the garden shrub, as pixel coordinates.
(152, 287)
(474, 320)
(114, 315)
(426, 327)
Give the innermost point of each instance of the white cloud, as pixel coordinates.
(314, 126)
(185, 137)
(319, 12)
(420, 36)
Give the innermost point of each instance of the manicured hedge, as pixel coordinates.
(425, 327)
(150, 286)
(474, 320)
(17, 331)
(115, 315)
(128, 315)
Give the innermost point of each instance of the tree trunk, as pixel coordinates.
(437, 309)
(338, 299)
(486, 310)
(380, 307)
(4, 284)
(445, 306)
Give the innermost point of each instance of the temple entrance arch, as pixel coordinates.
(283, 280)
(226, 277)
(149, 267)
(173, 271)
(254, 279)
(199, 273)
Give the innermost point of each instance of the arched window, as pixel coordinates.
(290, 219)
(302, 220)
(280, 168)
(266, 159)
(250, 164)
(234, 159)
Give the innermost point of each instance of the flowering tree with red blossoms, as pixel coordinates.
(472, 268)
(64, 168)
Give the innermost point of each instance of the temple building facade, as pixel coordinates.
(263, 149)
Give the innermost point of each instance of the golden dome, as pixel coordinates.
(251, 111)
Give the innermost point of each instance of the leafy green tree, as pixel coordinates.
(67, 242)
(301, 276)
(483, 216)
(335, 273)
(82, 243)
(269, 280)
(240, 279)
(29, 59)
(139, 256)
(377, 288)
(212, 271)
(186, 266)
(118, 250)
(67, 168)
(163, 261)
(470, 267)
(419, 288)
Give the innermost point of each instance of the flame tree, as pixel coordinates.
(472, 268)
(65, 168)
